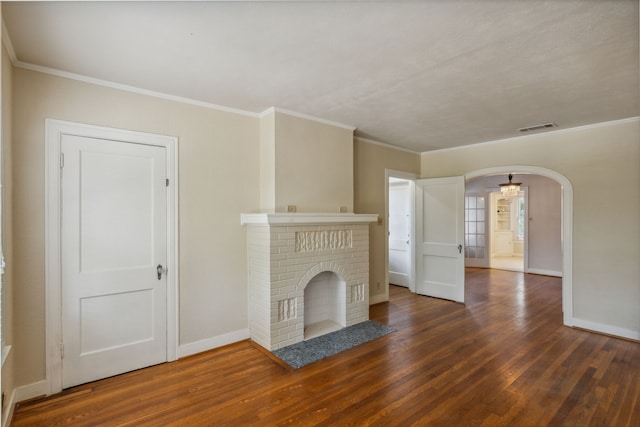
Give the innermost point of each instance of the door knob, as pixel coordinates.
(459, 249)
(160, 269)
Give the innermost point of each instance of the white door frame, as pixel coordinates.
(54, 129)
(491, 228)
(411, 177)
(566, 229)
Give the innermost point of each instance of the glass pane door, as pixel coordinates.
(475, 230)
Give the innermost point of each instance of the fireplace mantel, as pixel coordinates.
(305, 218)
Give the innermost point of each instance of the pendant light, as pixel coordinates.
(510, 189)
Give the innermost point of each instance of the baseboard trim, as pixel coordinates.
(23, 393)
(376, 299)
(185, 350)
(29, 391)
(602, 328)
(399, 279)
(7, 416)
(544, 272)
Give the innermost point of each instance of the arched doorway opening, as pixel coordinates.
(566, 227)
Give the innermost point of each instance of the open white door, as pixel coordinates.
(440, 237)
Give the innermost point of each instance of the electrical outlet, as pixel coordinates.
(291, 208)
(377, 285)
(343, 209)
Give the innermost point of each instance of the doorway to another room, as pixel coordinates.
(544, 221)
(507, 225)
(399, 234)
(521, 232)
(496, 226)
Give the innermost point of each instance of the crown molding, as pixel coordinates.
(105, 83)
(131, 89)
(6, 40)
(383, 144)
(271, 110)
(526, 137)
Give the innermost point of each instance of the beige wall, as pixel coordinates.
(219, 173)
(267, 163)
(545, 224)
(313, 165)
(370, 162)
(606, 243)
(7, 224)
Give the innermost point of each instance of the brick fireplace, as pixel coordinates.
(325, 256)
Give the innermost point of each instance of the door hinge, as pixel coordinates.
(61, 160)
(167, 182)
(61, 350)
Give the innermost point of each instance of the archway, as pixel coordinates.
(567, 225)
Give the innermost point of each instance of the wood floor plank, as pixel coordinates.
(501, 359)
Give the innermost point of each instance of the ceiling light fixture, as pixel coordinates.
(510, 189)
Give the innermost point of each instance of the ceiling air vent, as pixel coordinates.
(538, 127)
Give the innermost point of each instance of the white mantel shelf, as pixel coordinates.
(305, 218)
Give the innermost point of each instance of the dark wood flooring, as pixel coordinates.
(503, 359)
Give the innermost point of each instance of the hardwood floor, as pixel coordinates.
(503, 359)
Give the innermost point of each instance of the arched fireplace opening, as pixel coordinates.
(324, 305)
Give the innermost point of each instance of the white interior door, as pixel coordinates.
(440, 237)
(114, 235)
(400, 239)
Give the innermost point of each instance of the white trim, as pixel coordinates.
(544, 272)
(8, 44)
(9, 408)
(5, 353)
(30, 391)
(476, 262)
(386, 145)
(118, 86)
(185, 350)
(606, 329)
(305, 218)
(524, 137)
(54, 129)
(525, 243)
(411, 177)
(377, 299)
(113, 85)
(20, 394)
(306, 117)
(566, 230)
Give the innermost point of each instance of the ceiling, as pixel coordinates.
(419, 75)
